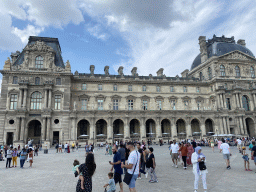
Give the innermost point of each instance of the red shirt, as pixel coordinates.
(184, 150)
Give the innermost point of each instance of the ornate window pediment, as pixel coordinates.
(199, 99)
(131, 97)
(39, 46)
(159, 98)
(58, 92)
(173, 98)
(145, 97)
(115, 97)
(186, 98)
(100, 97)
(237, 55)
(13, 91)
(83, 96)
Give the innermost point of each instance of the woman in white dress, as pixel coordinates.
(197, 157)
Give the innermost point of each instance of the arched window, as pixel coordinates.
(222, 71)
(252, 72)
(245, 102)
(37, 81)
(39, 62)
(36, 100)
(237, 69)
(210, 73)
(200, 76)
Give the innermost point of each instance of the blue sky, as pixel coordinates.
(147, 34)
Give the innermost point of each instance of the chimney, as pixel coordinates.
(203, 48)
(92, 67)
(160, 72)
(120, 70)
(241, 42)
(134, 71)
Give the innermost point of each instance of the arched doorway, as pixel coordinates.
(181, 128)
(101, 130)
(134, 128)
(150, 128)
(166, 128)
(250, 127)
(209, 127)
(118, 129)
(83, 129)
(195, 127)
(34, 131)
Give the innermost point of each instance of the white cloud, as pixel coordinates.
(96, 31)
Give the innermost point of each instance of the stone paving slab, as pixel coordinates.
(53, 172)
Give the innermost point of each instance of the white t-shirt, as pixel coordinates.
(175, 148)
(224, 147)
(66, 145)
(239, 142)
(134, 158)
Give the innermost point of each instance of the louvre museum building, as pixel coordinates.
(42, 100)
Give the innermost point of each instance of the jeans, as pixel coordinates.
(125, 169)
(184, 158)
(197, 180)
(66, 150)
(8, 161)
(22, 161)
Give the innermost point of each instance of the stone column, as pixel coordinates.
(92, 129)
(43, 129)
(240, 99)
(25, 98)
(173, 128)
(254, 99)
(188, 129)
(142, 129)
(241, 125)
(203, 130)
(237, 101)
(126, 128)
(45, 98)
(48, 129)
(22, 131)
(50, 98)
(17, 131)
(252, 105)
(110, 132)
(218, 101)
(224, 101)
(8, 101)
(25, 129)
(221, 131)
(225, 125)
(228, 125)
(244, 124)
(75, 129)
(221, 101)
(20, 99)
(158, 128)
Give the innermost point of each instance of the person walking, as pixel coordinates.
(8, 156)
(140, 151)
(132, 165)
(56, 147)
(212, 145)
(226, 152)
(14, 157)
(77, 146)
(87, 169)
(254, 152)
(184, 152)
(197, 158)
(30, 157)
(193, 143)
(246, 159)
(66, 148)
(73, 146)
(190, 151)
(219, 143)
(151, 165)
(239, 144)
(174, 152)
(121, 150)
(106, 149)
(23, 156)
(116, 165)
(110, 149)
(60, 147)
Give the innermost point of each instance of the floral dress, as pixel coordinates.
(87, 180)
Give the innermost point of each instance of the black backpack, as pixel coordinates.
(202, 166)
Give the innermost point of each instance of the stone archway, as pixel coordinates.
(34, 131)
(83, 128)
(101, 127)
(150, 128)
(195, 127)
(166, 128)
(181, 128)
(209, 127)
(250, 127)
(134, 128)
(118, 128)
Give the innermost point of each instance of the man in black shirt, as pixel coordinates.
(193, 144)
(151, 165)
(140, 151)
(254, 152)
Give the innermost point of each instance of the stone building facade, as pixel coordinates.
(42, 100)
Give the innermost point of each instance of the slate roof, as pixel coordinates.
(52, 42)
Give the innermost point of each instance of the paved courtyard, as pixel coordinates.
(53, 172)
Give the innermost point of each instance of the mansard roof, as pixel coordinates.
(52, 42)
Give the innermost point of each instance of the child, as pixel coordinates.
(246, 159)
(111, 183)
(75, 168)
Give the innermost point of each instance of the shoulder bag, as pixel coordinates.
(128, 176)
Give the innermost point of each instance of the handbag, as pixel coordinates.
(128, 176)
(202, 166)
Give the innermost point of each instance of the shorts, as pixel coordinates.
(212, 144)
(238, 146)
(174, 155)
(133, 181)
(106, 150)
(254, 159)
(226, 156)
(117, 178)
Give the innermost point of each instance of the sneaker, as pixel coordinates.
(249, 170)
(246, 169)
(146, 175)
(139, 178)
(176, 166)
(173, 165)
(195, 191)
(150, 181)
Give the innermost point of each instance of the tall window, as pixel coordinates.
(200, 76)
(145, 105)
(58, 81)
(129, 87)
(57, 102)
(159, 105)
(144, 88)
(198, 90)
(173, 104)
(36, 100)
(14, 99)
(39, 62)
(237, 69)
(84, 86)
(157, 88)
(130, 104)
(184, 89)
(245, 102)
(226, 86)
(37, 81)
(99, 87)
(210, 73)
(115, 104)
(198, 105)
(100, 104)
(222, 71)
(84, 104)
(171, 89)
(15, 80)
(115, 88)
(252, 72)
(228, 103)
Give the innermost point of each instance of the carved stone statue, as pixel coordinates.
(76, 73)
(74, 105)
(7, 64)
(51, 62)
(106, 70)
(109, 106)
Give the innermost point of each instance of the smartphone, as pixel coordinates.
(109, 161)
